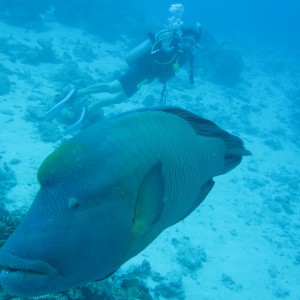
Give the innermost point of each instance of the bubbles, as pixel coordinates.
(175, 21)
(176, 9)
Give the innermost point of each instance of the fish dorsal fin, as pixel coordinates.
(149, 204)
(201, 125)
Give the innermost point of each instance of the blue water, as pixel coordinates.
(273, 23)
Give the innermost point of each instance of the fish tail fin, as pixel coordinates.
(234, 151)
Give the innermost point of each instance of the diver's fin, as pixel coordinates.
(77, 125)
(150, 204)
(54, 110)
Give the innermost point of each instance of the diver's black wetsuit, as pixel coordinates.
(162, 65)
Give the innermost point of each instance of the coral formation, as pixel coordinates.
(35, 113)
(84, 52)
(70, 73)
(8, 223)
(188, 256)
(230, 284)
(46, 52)
(42, 53)
(49, 132)
(191, 258)
(171, 288)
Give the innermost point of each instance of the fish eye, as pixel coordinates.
(73, 203)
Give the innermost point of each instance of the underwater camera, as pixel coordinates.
(161, 40)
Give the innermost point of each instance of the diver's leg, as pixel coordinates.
(106, 99)
(115, 87)
(110, 87)
(112, 93)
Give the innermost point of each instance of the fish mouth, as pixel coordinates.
(18, 276)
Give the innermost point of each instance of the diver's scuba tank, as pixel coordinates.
(154, 43)
(134, 55)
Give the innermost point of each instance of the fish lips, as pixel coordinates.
(25, 277)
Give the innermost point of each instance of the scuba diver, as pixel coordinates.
(158, 57)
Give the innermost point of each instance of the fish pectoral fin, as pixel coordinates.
(150, 201)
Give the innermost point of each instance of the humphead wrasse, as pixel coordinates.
(108, 192)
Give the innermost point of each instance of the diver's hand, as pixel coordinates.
(166, 44)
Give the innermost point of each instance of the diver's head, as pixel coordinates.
(190, 37)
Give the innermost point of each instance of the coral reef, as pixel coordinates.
(35, 113)
(46, 52)
(8, 223)
(191, 258)
(188, 256)
(230, 284)
(120, 286)
(70, 73)
(42, 53)
(132, 284)
(170, 288)
(49, 132)
(135, 289)
(84, 52)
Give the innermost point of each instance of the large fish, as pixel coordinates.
(108, 192)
